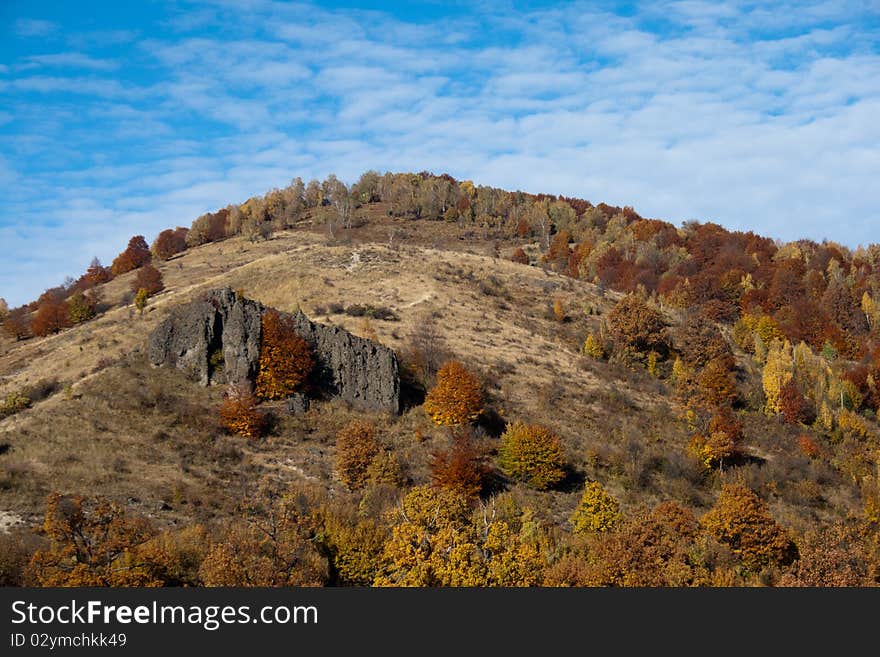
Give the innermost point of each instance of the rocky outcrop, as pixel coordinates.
(217, 340)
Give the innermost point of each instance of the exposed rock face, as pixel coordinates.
(192, 338)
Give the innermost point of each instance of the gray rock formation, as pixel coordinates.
(217, 339)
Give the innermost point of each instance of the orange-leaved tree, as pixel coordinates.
(136, 254)
(741, 520)
(457, 398)
(148, 278)
(240, 415)
(461, 468)
(92, 542)
(532, 453)
(285, 358)
(356, 448)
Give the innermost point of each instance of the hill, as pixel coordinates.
(712, 394)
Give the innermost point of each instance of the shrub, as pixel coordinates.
(597, 510)
(148, 278)
(634, 326)
(461, 468)
(558, 310)
(80, 307)
(808, 446)
(356, 449)
(14, 402)
(136, 254)
(592, 347)
(140, 299)
(742, 521)
(520, 257)
(240, 415)
(169, 242)
(285, 358)
(457, 398)
(52, 316)
(531, 453)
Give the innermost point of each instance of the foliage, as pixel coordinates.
(558, 310)
(52, 316)
(633, 325)
(136, 254)
(531, 453)
(717, 383)
(286, 359)
(457, 398)
(240, 415)
(14, 403)
(461, 468)
(169, 242)
(593, 348)
(742, 520)
(597, 510)
(520, 257)
(356, 449)
(93, 542)
(274, 545)
(80, 307)
(140, 299)
(148, 278)
(778, 371)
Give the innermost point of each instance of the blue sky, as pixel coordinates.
(121, 118)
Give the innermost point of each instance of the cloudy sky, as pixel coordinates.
(121, 118)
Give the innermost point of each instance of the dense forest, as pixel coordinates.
(766, 355)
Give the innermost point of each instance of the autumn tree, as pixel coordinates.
(722, 442)
(533, 454)
(461, 468)
(96, 274)
(286, 359)
(136, 255)
(717, 383)
(636, 327)
(793, 405)
(273, 542)
(81, 307)
(699, 341)
(169, 243)
(520, 257)
(4, 310)
(52, 316)
(741, 520)
(778, 371)
(835, 555)
(356, 448)
(17, 324)
(597, 510)
(240, 415)
(92, 542)
(140, 299)
(148, 278)
(457, 398)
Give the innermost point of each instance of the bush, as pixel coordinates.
(148, 278)
(169, 242)
(356, 449)
(741, 520)
(285, 358)
(597, 510)
(14, 402)
(457, 398)
(80, 307)
(519, 256)
(634, 326)
(461, 468)
(136, 254)
(240, 415)
(531, 453)
(52, 316)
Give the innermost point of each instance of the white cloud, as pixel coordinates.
(30, 27)
(754, 117)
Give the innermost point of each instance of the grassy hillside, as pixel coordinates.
(102, 422)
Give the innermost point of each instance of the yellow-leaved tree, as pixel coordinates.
(597, 510)
(778, 370)
(533, 454)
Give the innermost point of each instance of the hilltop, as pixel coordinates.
(682, 369)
